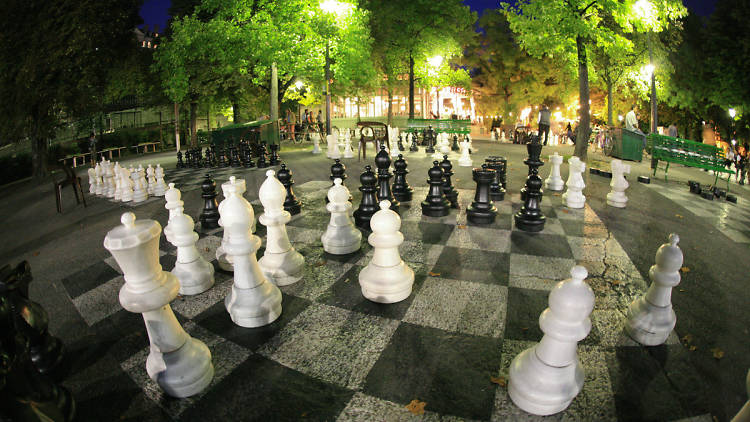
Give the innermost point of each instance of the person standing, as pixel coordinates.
(290, 121)
(92, 148)
(544, 122)
(631, 120)
(319, 120)
(672, 130)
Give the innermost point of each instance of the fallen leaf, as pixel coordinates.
(678, 215)
(692, 348)
(499, 381)
(461, 226)
(524, 328)
(207, 249)
(687, 338)
(416, 407)
(431, 274)
(320, 263)
(555, 194)
(718, 353)
(682, 290)
(616, 282)
(565, 211)
(685, 269)
(346, 280)
(36, 253)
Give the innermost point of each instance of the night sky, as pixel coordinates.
(155, 11)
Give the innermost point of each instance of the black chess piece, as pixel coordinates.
(223, 157)
(430, 139)
(383, 163)
(274, 160)
(180, 163)
(497, 191)
(234, 156)
(369, 204)
(455, 146)
(414, 147)
(248, 156)
(291, 203)
(423, 141)
(451, 194)
(27, 391)
(435, 205)
(530, 217)
(262, 156)
(188, 158)
(400, 143)
(482, 210)
(401, 189)
(209, 217)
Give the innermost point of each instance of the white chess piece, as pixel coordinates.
(118, 182)
(465, 159)
(316, 143)
(196, 275)
(554, 182)
(387, 278)
(109, 179)
(445, 144)
(502, 136)
(160, 187)
(150, 180)
(99, 172)
(126, 185)
(341, 237)
(180, 364)
(616, 197)
(237, 186)
(143, 180)
(280, 263)
(253, 301)
(348, 151)
(333, 146)
(651, 317)
(545, 379)
(92, 180)
(139, 190)
(573, 198)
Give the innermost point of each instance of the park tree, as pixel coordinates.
(413, 32)
(570, 28)
(55, 56)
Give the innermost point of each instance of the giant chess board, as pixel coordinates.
(333, 355)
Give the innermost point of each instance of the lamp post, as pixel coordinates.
(732, 113)
(646, 10)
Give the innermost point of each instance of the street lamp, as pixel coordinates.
(645, 9)
(732, 113)
(338, 9)
(299, 85)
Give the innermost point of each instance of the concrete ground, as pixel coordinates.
(711, 301)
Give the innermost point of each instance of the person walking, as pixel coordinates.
(319, 120)
(290, 121)
(544, 122)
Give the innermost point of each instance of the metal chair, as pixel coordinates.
(378, 133)
(70, 179)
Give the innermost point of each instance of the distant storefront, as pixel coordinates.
(445, 102)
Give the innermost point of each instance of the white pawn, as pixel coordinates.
(465, 159)
(139, 190)
(333, 146)
(99, 173)
(316, 143)
(118, 182)
(502, 136)
(150, 180)
(616, 197)
(92, 180)
(180, 364)
(160, 187)
(387, 278)
(651, 317)
(253, 301)
(109, 180)
(545, 379)
(126, 185)
(143, 180)
(238, 186)
(341, 237)
(445, 145)
(554, 182)
(348, 151)
(573, 198)
(196, 275)
(280, 263)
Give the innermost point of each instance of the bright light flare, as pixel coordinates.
(732, 112)
(335, 7)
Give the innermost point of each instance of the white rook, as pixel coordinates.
(545, 379)
(180, 364)
(616, 197)
(554, 182)
(341, 237)
(573, 198)
(651, 317)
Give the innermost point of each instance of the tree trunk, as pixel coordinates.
(177, 126)
(584, 129)
(610, 120)
(274, 97)
(411, 87)
(39, 157)
(194, 123)
(236, 112)
(390, 107)
(358, 106)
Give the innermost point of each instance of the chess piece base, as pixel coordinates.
(481, 216)
(497, 195)
(573, 202)
(529, 224)
(183, 372)
(282, 269)
(433, 210)
(195, 277)
(649, 325)
(254, 307)
(386, 284)
(617, 200)
(554, 185)
(341, 240)
(404, 196)
(541, 389)
(465, 163)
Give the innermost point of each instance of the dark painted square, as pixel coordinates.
(167, 261)
(540, 244)
(522, 317)
(432, 233)
(217, 320)
(263, 390)
(641, 390)
(687, 372)
(118, 336)
(473, 265)
(121, 395)
(449, 371)
(85, 280)
(346, 293)
(577, 228)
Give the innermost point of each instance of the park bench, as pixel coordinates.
(450, 126)
(107, 152)
(688, 153)
(74, 158)
(145, 146)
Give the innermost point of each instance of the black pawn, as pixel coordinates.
(435, 205)
(291, 203)
(455, 146)
(401, 189)
(482, 210)
(275, 160)
(338, 171)
(180, 163)
(248, 155)
(369, 204)
(497, 190)
(414, 147)
(530, 217)
(209, 217)
(234, 153)
(400, 143)
(262, 156)
(450, 193)
(430, 139)
(383, 163)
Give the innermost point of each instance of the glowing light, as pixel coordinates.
(299, 84)
(649, 69)
(619, 117)
(435, 61)
(335, 7)
(525, 113)
(732, 113)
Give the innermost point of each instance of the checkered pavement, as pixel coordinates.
(333, 355)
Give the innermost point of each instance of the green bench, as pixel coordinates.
(688, 153)
(441, 125)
